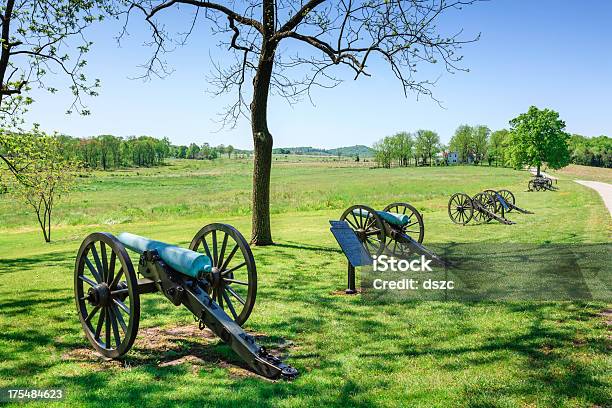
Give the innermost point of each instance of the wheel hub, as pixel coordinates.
(361, 234)
(215, 277)
(99, 295)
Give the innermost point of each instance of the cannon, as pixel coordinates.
(215, 279)
(541, 183)
(398, 230)
(483, 207)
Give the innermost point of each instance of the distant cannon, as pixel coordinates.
(483, 207)
(218, 286)
(541, 183)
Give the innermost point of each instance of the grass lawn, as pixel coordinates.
(349, 352)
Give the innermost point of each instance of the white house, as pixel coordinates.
(453, 158)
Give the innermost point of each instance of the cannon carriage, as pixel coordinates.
(483, 207)
(215, 279)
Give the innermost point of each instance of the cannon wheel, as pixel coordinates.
(106, 294)
(460, 208)
(368, 227)
(486, 202)
(508, 197)
(531, 185)
(233, 281)
(415, 228)
(499, 208)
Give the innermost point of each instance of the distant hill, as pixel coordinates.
(349, 151)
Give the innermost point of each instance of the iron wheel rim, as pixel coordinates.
(460, 208)
(232, 271)
(110, 313)
(370, 231)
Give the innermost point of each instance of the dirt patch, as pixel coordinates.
(179, 345)
(606, 314)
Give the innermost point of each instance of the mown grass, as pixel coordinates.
(350, 352)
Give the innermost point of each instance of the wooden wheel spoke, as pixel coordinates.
(356, 220)
(104, 262)
(99, 268)
(117, 278)
(111, 269)
(351, 224)
(227, 272)
(222, 252)
(220, 297)
(100, 321)
(93, 270)
(207, 249)
(372, 232)
(119, 318)
(114, 326)
(237, 282)
(230, 306)
(86, 279)
(107, 327)
(229, 257)
(122, 306)
(214, 243)
(236, 295)
(92, 314)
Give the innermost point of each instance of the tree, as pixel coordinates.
(193, 151)
(498, 146)
(326, 35)
(480, 142)
(538, 137)
(402, 145)
(109, 150)
(45, 174)
(182, 152)
(383, 152)
(229, 150)
(427, 144)
(463, 142)
(39, 37)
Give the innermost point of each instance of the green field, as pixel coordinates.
(349, 352)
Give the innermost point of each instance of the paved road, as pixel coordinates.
(534, 171)
(604, 190)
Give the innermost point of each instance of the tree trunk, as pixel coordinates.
(538, 172)
(261, 233)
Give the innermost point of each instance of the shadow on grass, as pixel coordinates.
(306, 247)
(10, 265)
(338, 340)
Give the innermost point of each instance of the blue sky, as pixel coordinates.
(553, 54)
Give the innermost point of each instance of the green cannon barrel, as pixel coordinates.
(392, 218)
(182, 260)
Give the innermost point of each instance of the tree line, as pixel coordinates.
(405, 148)
(477, 144)
(593, 151)
(107, 152)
